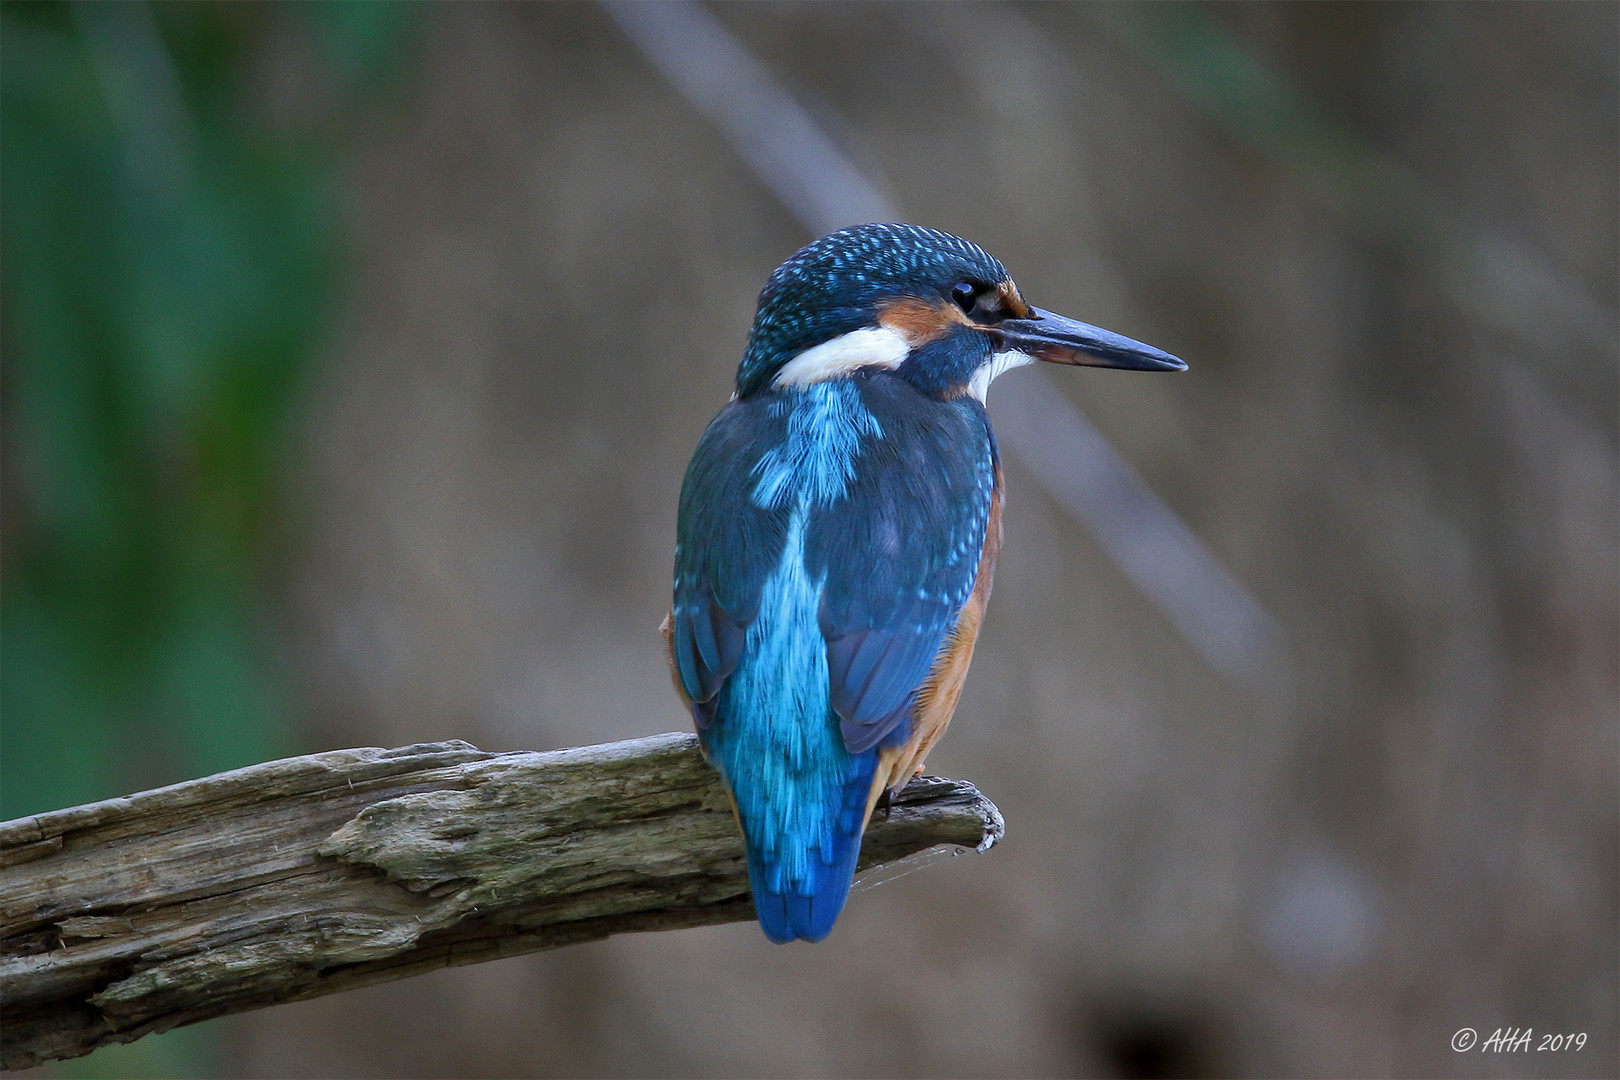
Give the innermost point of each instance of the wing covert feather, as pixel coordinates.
(900, 555)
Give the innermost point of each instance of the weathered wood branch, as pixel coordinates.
(316, 874)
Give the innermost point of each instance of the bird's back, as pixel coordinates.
(829, 537)
(800, 794)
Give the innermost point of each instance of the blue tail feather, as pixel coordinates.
(807, 909)
(791, 915)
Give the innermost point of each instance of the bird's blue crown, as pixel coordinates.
(835, 284)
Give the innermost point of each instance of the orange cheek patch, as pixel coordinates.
(1011, 302)
(921, 321)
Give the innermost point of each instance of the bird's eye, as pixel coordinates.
(966, 294)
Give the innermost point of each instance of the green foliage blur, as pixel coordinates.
(170, 259)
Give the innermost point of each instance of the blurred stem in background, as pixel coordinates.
(1496, 278)
(170, 258)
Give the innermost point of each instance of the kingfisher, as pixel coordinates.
(837, 536)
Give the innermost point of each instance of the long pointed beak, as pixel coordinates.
(1059, 340)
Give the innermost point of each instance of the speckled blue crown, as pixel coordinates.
(833, 285)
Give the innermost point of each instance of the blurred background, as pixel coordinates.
(353, 355)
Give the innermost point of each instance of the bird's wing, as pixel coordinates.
(900, 555)
(725, 548)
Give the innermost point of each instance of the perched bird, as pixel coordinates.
(837, 536)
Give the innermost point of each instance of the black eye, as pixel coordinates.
(966, 294)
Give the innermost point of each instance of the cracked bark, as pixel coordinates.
(317, 874)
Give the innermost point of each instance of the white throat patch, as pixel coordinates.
(979, 385)
(871, 346)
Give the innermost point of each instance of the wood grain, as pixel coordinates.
(317, 874)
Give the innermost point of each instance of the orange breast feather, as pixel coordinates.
(936, 701)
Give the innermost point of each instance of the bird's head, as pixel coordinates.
(931, 307)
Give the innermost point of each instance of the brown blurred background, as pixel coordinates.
(1383, 236)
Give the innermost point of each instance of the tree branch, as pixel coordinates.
(311, 875)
